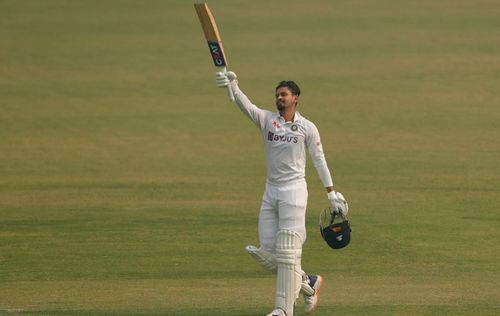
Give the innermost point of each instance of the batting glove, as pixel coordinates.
(338, 202)
(223, 79)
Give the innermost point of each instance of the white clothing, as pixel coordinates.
(284, 201)
(283, 208)
(285, 143)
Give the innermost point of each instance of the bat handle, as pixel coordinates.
(230, 94)
(229, 90)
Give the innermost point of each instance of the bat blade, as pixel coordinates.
(213, 38)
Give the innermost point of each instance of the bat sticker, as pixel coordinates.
(217, 55)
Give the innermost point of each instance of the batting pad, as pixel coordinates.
(266, 259)
(289, 278)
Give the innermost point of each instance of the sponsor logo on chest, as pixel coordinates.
(272, 137)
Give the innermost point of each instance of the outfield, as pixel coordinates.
(129, 185)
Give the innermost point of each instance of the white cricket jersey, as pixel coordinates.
(285, 143)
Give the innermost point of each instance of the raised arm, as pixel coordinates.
(229, 79)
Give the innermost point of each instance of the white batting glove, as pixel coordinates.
(338, 202)
(223, 79)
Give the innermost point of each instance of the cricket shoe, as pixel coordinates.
(277, 312)
(311, 301)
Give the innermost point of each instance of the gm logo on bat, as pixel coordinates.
(216, 52)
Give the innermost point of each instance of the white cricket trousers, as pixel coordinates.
(283, 207)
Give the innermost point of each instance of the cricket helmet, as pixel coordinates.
(336, 234)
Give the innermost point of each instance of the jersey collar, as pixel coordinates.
(296, 117)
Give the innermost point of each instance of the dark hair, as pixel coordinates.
(290, 85)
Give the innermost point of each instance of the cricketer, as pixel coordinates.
(286, 136)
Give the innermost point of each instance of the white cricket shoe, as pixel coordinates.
(277, 312)
(311, 301)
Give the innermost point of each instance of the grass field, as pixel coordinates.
(129, 185)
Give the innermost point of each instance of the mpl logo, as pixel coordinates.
(216, 52)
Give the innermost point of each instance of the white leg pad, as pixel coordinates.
(289, 278)
(266, 259)
(305, 288)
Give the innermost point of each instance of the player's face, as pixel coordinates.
(285, 99)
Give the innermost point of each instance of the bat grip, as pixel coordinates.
(230, 94)
(229, 90)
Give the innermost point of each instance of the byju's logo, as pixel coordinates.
(282, 138)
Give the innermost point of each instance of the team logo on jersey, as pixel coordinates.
(294, 128)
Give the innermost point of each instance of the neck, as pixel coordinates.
(288, 115)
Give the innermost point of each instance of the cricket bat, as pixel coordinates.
(214, 40)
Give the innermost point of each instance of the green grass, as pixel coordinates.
(129, 185)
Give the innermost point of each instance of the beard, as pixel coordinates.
(280, 106)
